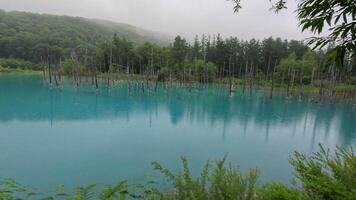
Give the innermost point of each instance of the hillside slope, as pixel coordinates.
(21, 33)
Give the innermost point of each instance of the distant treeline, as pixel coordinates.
(76, 47)
(32, 37)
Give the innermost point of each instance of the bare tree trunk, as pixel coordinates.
(73, 76)
(49, 70)
(289, 81)
(272, 86)
(282, 80)
(108, 80)
(292, 86)
(320, 90)
(189, 81)
(268, 67)
(245, 79)
(56, 75)
(59, 76)
(140, 63)
(251, 77)
(230, 78)
(56, 81)
(334, 73)
(312, 77)
(143, 87)
(91, 74)
(77, 75)
(156, 82)
(151, 65)
(205, 69)
(44, 72)
(96, 81)
(183, 75)
(347, 83)
(301, 92)
(239, 73)
(170, 78)
(110, 67)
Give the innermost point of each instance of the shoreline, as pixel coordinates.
(341, 90)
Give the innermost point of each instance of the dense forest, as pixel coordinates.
(25, 35)
(81, 47)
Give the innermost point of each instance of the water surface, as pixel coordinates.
(75, 136)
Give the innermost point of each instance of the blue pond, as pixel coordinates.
(75, 136)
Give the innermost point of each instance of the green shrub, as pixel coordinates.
(215, 182)
(4, 69)
(279, 191)
(19, 64)
(163, 74)
(68, 66)
(325, 176)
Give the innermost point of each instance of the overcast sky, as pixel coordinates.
(183, 17)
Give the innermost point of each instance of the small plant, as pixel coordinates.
(325, 176)
(279, 191)
(215, 182)
(12, 190)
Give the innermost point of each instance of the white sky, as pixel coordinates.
(183, 17)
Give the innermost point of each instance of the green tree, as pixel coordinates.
(307, 66)
(286, 70)
(314, 15)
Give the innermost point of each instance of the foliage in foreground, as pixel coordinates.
(327, 177)
(217, 182)
(321, 176)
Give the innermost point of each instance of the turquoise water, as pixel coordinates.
(76, 137)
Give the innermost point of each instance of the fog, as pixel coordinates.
(183, 17)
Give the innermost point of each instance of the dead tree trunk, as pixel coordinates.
(44, 72)
(49, 71)
(292, 84)
(320, 89)
(272, 77)
(170, 78)
(289, 81)
(301, 92)
(230, 78)
(251, 77)
(245, 78)
(333, 77)
(55, 77)
(56, 81)
(268, 67)
(312, 77)
(96, 82)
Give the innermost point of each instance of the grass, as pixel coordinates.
(18, 71)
